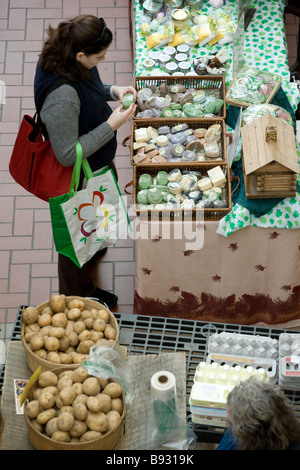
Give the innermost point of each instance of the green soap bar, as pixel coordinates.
(218, 105)
(210, 107)
(154, 196)
(167, 113)
(162, 178)
(176, 106)
(127, 100)
(142, 197)
(144, 181)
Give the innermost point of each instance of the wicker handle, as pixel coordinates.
(127, 186)
(229, 136)
(236, 178)
(124, 143)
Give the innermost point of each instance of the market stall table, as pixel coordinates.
(247, 269)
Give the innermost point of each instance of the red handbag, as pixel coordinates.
(33, 164)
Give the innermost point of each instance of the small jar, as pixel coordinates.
(180, 58)
(163, 60)
(148, 64)
(169, 50)
(184, 67)
(180, 19)
(155, 56)
(171, 67)
(183, 49)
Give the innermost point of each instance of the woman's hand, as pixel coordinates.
(119, 116)
(120, 91)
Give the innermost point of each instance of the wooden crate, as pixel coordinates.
(173, 214)
(207, 83)
(193, 124)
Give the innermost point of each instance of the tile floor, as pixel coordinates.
(27, 256)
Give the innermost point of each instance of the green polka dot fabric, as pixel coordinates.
(265, 48)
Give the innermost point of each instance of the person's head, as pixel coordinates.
(261, 416)
(75, 46)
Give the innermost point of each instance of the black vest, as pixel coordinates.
(94, 108)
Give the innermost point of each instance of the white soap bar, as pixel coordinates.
(204, 184)
(141, 135)
(217, 176)
(138, 145)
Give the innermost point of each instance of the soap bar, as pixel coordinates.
(162, 140)
(141, 135)
(144, 181)
(204, 183)
(217, 176)
(127, 100)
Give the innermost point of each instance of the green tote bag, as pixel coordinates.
(85, 221)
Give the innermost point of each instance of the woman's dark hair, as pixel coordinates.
(85, 33)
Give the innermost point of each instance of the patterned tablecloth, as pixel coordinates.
(265, 48)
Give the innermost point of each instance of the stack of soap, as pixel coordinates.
(289, 361)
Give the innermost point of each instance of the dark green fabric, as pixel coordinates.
(257, 207)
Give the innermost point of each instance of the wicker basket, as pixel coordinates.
(193, 124)
(41, 441)
(34, 361)
(174, 214)
(242, 104)
(200, 82)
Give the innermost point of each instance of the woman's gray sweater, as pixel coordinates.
(60, 114)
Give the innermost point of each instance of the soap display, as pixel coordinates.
(185, 189)
(177, 100)
(184, 142)
(252, 86)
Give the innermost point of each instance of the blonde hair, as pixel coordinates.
(262, 417)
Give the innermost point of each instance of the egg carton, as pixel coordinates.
(256, 363)
(243, 345)
(289, 372)
(289, 344)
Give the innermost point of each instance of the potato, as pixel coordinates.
(32, 328)
(41, 353)
(77, 303)
(105, 402)
(64, 343)
(93, 404)
(47, 310)
(57, 303)
(44, 319)
(45, 330)
(65, 358)
(78, 388)
(47, 378)
(51, 427)
(67, 395)
(79, 411)
(102, 382)
(89, 323)
(61, 436)
(79, 358)
(69, 327)
(87, 314)
(52, 389)
(44, 416)
(110, 332)
(30, 315)
(53, 356)
(79, 326)
(51, 343)
(36, 425)
(36, 341)
(113, 389)
(74, 314)
(84, 335)
(60, 319)
(78, 428)
(85, 346)
(65, 421)
(64, 381)
(99, 325)
(82, 398)
(47, 400)
(117, 405)
(57, 332)
(96, 336)
(113, 419)
(66, 409)
(91, 386)
(97, 422)
(73, 338)
(79, 375)
(33, 409)
(90, 436)
(104, 314)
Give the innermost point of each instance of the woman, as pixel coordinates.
(261, 418)
(72, 101)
